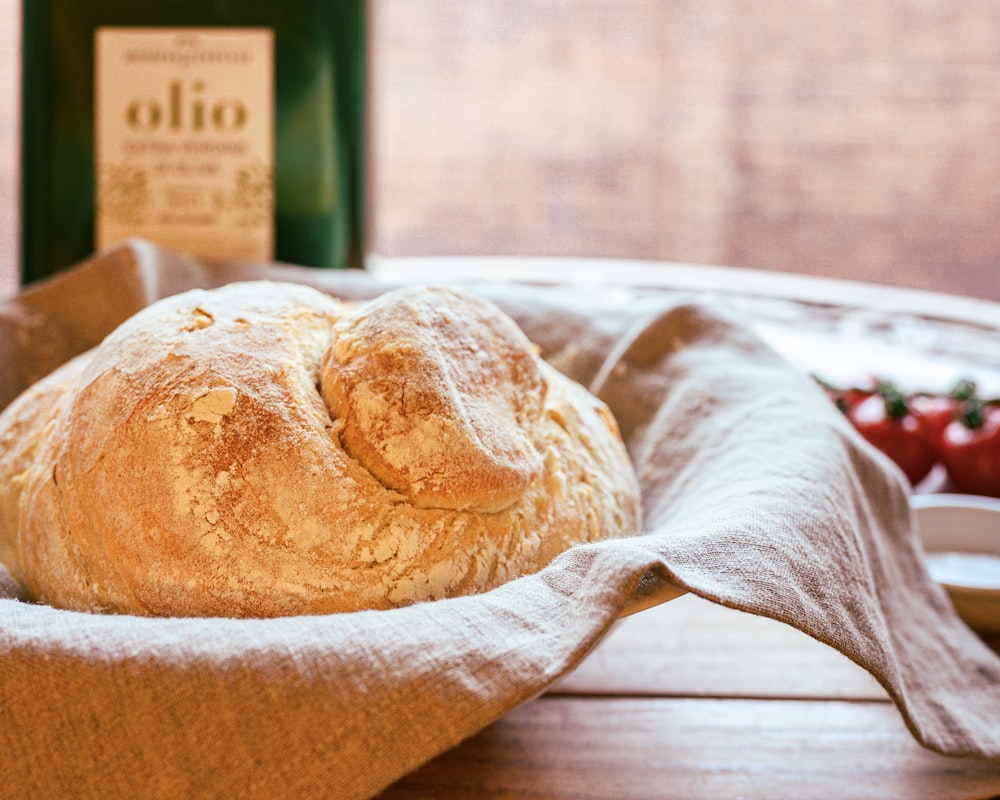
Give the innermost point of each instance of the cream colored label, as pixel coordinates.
(184, 139)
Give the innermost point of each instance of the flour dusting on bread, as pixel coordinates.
(264, 449)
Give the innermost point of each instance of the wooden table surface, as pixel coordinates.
(691, 700)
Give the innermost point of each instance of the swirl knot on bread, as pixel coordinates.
(264, 449)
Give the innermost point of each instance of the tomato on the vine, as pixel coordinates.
(960, 430)
(970, 449)
(886, 421)
(846, 398)
(939, 410)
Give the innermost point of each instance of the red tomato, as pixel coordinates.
(937, 412)
(846, 398)
(892, 428)
(971, 454)
(849, 398)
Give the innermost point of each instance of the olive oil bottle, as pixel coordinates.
(230, 129)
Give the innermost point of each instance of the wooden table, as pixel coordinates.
(692, 700)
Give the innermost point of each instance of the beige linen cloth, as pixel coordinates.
(757, 495)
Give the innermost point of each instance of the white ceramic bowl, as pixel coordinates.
(961, 534)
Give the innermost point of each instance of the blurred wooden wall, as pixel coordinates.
(832, 137)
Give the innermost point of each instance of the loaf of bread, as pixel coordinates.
(264, 449)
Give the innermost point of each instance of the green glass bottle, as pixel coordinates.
(226, 128)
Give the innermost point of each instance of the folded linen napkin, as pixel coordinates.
(757, 494)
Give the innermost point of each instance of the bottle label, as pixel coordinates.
(184, 139)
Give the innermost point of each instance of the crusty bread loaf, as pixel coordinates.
(264, 449)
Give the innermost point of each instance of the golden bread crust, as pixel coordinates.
(264, 449)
